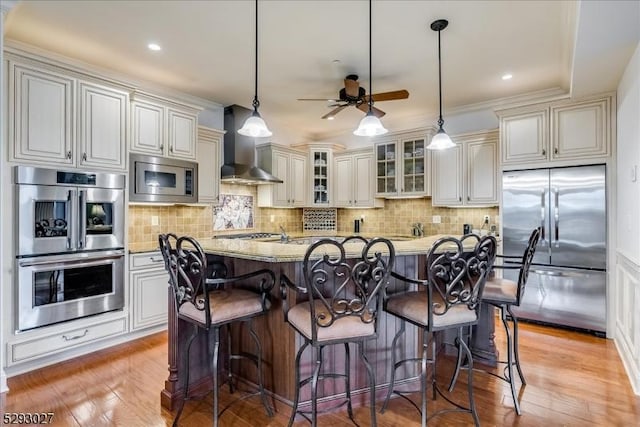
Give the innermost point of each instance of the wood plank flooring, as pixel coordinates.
(573, 379)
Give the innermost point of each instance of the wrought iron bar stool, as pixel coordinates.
(204, 299)
(503, 294)
(449, 299)
(338, 303)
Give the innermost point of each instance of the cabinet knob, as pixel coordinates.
(161, 147)
(171, 148)
(84, 157)
(460, 198)
(468, 198)
(555, 150)
(544, 152)
(69, 154)
(355, 202)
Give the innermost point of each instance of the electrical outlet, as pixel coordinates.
(272, 218)
(486, 219)
(436, 219)
(154, 220)
(361, 218)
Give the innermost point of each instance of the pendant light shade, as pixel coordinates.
(370, 125)
(255, 126)
(440, 140)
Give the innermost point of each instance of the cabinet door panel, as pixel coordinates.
(147, 132)
(524, 137)
(482, 167)
(150, 298)
(298, 181)
(447, 177)
(102, 127)
(43, 122)
(182, 135)
(281, 170)
(344, 186)
(208, 155)
(362, 177)
(580, 131)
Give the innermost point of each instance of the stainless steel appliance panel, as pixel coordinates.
(57, 288)
(525, 203)
(578, 228)
(102, 222)
(564, 296)
(159, 179)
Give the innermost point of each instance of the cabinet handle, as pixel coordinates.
(66, 338)
(555, 150)
(69, 154)
(544, 152)
(355, 202)
(468, 199)
(161, 147)
(154, 259)
(171, 148)
(460, 198)
(84, 157)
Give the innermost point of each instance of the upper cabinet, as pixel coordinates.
(67, 120)
(555, 132)
(321, 179)
(291, 167)
(353, 175)
(467, 174)
(402, 166)
(162, 127)
(209, 155)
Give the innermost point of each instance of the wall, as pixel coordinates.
(627, 270)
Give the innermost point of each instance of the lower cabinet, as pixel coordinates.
(148, 282)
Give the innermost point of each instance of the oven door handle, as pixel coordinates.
(85, 262)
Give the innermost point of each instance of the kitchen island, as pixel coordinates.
(279, 341)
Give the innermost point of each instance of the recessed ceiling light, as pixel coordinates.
(154, 46)
(507, 77)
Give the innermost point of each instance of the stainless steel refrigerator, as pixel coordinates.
(567, 281)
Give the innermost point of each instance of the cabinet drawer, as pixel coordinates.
(146, 260)
(44, 346)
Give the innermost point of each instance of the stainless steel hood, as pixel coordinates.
(240, 165)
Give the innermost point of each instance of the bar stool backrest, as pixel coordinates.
(457, 277)
(527, 258)
(343, 287)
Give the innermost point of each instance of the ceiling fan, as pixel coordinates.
(353, 94)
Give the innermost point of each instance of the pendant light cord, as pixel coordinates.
(440, 121)
(256, 103)
(370, 73)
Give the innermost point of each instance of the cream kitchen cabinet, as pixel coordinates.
(467, 174)
(291, 167)
(163, 127)
(402, 167)
(209, 156)
(555, 132)
(321, 179)
(59, 118)
(353, 173)
(148, 283)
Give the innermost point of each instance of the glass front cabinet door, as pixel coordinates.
(320, 164)
(402, 167)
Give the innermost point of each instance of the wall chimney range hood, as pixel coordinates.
(240, 165)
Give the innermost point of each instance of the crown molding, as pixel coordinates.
(7, 5)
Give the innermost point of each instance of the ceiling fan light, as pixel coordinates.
(440, 141)
(255, 127)
(370, 125)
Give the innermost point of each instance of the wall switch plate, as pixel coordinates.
(436, 219)
(272, 218)
(154, 220)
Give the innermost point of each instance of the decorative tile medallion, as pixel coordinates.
(233, 213)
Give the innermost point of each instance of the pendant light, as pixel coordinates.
(440, 140)
(255, 126)
(370, 125)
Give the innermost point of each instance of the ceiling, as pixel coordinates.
(306, 48)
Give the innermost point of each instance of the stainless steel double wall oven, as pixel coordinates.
(69, 246)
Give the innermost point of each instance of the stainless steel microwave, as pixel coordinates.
(160, 179)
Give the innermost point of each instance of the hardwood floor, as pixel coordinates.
(573, 380)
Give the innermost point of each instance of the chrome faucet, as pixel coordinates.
(284, 237)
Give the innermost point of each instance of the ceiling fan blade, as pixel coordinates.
(334, 112)
(376, 111)
(388, 96)
(352, 87)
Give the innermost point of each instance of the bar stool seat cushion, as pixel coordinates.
(343, 328)
(413, 306)
(501, 291)
(225, 305)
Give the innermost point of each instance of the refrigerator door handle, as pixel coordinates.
(557, 216)
(69, 218)
(542, 215)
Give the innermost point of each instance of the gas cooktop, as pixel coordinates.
(247, 236)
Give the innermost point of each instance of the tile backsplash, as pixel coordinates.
(396, 218)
